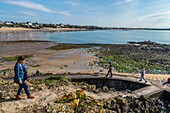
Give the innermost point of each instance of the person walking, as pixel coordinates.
(110, 70)
(143, 74)
(20, 77)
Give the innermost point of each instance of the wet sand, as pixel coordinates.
(48, 61)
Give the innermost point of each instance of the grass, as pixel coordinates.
(52, 78)
(12, 58)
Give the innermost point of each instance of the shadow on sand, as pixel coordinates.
(8, 100)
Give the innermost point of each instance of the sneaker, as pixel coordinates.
(145, 82)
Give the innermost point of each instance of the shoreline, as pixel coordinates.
(10, 29)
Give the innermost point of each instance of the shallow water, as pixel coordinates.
(100, 36)
(1, 60)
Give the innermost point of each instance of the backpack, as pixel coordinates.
(25, 73)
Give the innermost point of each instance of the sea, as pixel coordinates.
(96, 36)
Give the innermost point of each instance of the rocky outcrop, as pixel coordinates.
(79, 102)
(59, 95)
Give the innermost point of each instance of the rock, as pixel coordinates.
(142, 98)
(112, 89)
(102, 110)
(105, 88)
(54, 111)
(84, 87)
(2, 82)
(97, 91)
(8, 97)
(73, 96)
(31, 88)
(74, 104)
(91, 88)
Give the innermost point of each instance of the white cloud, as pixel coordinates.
(128, 1)
(35, 6)
(162, 15)
(28, 13)
(72, 3)
(153, 20)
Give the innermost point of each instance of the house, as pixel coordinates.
(29, 23)
(8, 23)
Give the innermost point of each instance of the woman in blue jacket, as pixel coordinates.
(19, 77)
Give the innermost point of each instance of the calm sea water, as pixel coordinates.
(82, 37)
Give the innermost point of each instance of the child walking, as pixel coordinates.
(143, 74)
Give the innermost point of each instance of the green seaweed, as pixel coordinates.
(14, 57)
(126, 58)
(55, 77)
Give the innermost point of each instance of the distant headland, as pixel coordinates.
(50, 26)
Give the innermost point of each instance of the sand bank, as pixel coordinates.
(6, 29)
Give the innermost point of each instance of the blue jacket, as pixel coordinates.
(143, 72)
(19, 72)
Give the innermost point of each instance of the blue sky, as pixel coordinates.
(119, 13)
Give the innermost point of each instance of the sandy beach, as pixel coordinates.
(7, 29)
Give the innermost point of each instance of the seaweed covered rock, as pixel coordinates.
(56, 81)
(131, 104)
(80, 102)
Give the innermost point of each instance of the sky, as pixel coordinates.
(104, 13)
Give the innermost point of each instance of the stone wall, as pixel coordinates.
(118, 84)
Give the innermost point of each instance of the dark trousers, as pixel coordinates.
(142, 77)
(109, 72)
(25, 86)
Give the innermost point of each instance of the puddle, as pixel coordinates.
(1, 60)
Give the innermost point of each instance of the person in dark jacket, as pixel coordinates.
(110, 70)
(20, 77)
